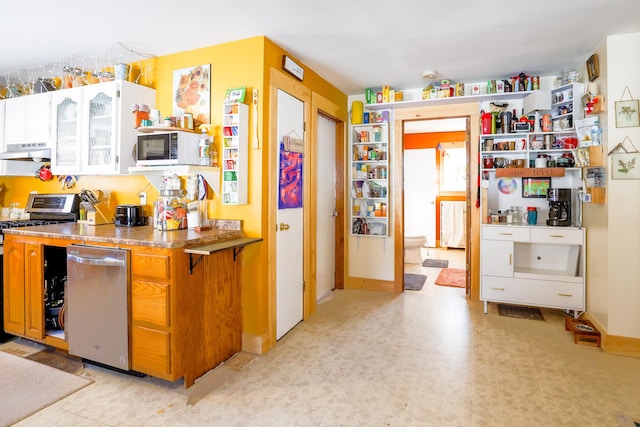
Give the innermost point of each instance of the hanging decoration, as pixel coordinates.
(625, 164)
(290, 176)
(44, 173)
(627, 111)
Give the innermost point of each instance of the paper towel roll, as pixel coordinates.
(357, 112)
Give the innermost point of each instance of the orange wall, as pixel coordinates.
(431, 140)
(244, 63)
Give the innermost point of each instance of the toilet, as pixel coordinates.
(412, 245)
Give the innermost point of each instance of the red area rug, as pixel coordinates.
(452, 277)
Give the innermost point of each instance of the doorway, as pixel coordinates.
(435, 195)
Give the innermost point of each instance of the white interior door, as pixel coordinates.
(420, 193)
(290, 219)
(326, 206)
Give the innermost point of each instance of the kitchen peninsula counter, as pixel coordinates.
(185, 310)
(136, 236)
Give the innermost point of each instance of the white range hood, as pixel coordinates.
(28, 151)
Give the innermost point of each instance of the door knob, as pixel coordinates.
(284, 226)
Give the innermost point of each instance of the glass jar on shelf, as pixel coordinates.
(171, 210)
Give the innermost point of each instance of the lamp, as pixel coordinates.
(539, 100)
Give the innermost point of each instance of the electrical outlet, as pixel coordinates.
(143, 198)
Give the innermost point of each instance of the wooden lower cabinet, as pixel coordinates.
(151, 351)
(153, 284)
(182, 323)
(24, 290)
(14, 287)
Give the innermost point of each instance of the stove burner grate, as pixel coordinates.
(25, 223)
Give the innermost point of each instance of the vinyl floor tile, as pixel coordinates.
(427, 358)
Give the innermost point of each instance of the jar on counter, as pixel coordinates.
(172, 210)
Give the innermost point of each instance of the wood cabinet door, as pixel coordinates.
(34, 290)
(14, 292)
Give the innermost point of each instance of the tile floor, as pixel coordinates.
(427, 358)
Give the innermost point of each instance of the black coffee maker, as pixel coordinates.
(559, 206)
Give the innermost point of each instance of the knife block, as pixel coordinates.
(98, 214)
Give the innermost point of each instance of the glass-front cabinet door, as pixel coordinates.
(99, 154)
(66, 130)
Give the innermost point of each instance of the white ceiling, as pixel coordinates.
(352, 44)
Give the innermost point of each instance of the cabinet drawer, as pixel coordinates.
(150, 302)
(150, 351)
(150, 265)
(540, 293)
(511, 233)
(559, 236)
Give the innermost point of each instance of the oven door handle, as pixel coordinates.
(103, 261)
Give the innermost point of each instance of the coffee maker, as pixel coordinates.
(559, 206)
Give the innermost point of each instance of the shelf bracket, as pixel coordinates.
(236, 251)
(236, 244)
(192, 264)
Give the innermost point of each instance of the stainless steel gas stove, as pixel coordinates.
(46, 209)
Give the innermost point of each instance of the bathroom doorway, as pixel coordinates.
(435, 184)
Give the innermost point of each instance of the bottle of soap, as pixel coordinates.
(213, 152)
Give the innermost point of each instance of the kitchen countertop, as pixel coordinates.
(139, 236)
(557, 227)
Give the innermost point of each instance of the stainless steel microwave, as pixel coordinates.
(167, 148)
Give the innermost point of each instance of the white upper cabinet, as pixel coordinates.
(28, 119)
(94, 128)
(66, 130)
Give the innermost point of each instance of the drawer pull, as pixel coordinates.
(497, 289)
(506, 234)
(560, 294)
(556, 235)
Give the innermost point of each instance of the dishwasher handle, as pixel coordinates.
(102, 261)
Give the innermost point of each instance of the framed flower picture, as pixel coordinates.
(192, 93)
(625, 165)
(627, 113)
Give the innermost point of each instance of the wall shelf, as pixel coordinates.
(450, 100)
(155, 174)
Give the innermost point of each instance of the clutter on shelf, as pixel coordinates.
(119, 62)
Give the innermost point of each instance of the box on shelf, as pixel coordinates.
(383, 95)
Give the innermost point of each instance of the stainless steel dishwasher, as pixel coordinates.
(97, 295)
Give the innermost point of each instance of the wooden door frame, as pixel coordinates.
(313, 104)
(470, 111)
(339, 114)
